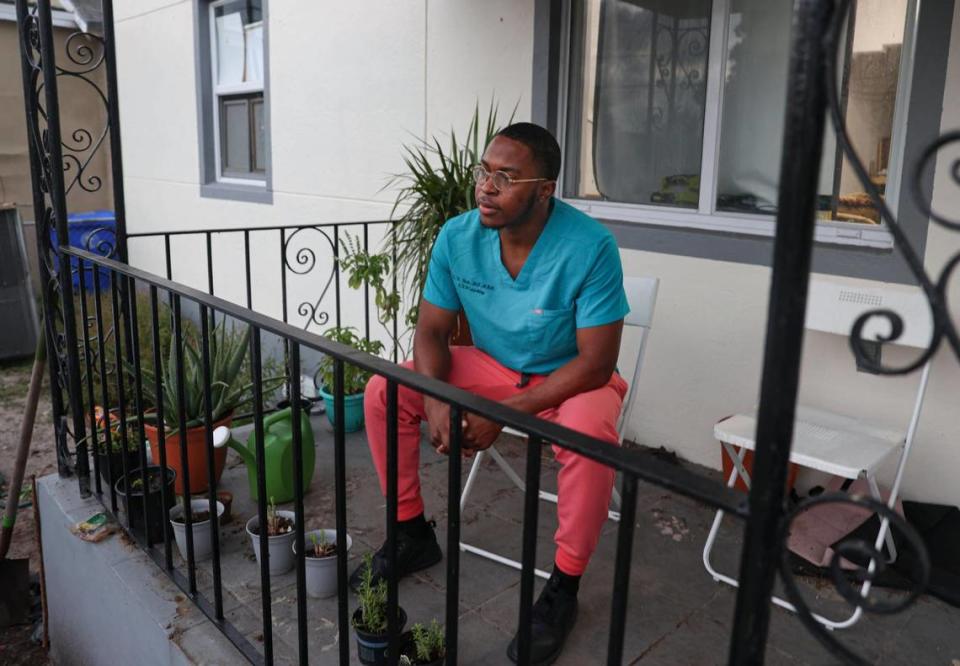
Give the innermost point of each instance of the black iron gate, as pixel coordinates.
(58, 164)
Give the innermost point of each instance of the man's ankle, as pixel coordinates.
(569, 583)
(416, 527)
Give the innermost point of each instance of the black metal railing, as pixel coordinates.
(634, 464)
(308, 262)
(96, 354)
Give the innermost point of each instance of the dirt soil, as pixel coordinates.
(16, 646)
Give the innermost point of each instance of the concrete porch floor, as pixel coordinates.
(677, 614)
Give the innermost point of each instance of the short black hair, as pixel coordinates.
(545, 149)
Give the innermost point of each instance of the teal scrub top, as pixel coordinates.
(572, 279)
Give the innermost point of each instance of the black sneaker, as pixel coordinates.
(554, 615)
(413, 554)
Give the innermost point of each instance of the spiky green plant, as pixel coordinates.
(429, 642)
(438, 185)
(229, 385)
(373, 600)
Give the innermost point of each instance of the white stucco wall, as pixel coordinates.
(346, 91)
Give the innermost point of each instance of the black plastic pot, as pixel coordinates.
(372, 648)
(114, 463)
(156, 511)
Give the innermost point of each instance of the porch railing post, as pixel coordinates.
(799, 169)
(59, 209)
(28, 71)
(113, 111)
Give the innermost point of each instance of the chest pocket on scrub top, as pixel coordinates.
(551, 333)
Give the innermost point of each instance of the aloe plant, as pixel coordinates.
(438, 185)
(229, 385)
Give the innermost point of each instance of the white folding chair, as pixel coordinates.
(642, 298)
(830, 442)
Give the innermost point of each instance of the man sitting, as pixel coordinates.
(542, 288)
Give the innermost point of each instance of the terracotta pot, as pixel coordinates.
(196, 455)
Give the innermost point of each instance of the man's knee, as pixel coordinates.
(374, 395)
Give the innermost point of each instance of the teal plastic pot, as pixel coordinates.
(352, 410)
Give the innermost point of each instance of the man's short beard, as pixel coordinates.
(525, 214)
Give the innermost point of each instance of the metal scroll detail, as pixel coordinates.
(935, 290)
(60, 162)
(944, 329)
(300, 258)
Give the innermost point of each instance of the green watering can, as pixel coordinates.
(278, 453)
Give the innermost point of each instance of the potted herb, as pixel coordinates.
(132, 499)
(370, 619)
(280, 537)
(200, 521)
(438, 185)
(229, 388)
(321, 562)
(428, 645)
(354, 378)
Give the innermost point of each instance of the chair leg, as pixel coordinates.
(740, 470)
(464, 496)
(884, 524)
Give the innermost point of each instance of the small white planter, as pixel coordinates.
(281, 554)
(202, 541)
(321, 571)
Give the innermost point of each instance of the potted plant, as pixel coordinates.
(370, 618)
(320, 557)
(110, 459)
(132, 499)
(354, 378)
(280, 537)
(229, 387)
(426, 647)
(438, 185)
(200, 521)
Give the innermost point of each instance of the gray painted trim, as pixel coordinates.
(923, 124)
(209, 186)
(248, 193)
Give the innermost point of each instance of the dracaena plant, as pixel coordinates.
(230, 385)
(437, 186)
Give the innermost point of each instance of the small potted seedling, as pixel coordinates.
(370, 619)
(429, 646)
(200, 520)
(321, 562)
(280, 537)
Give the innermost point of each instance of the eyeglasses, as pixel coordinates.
(501, 180)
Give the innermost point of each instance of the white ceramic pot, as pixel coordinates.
(281, 554)
(202, 540)
(321, 571)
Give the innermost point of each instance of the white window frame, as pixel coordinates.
(706, 217)
(219, 91)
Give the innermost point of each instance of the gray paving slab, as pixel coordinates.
(676, 613)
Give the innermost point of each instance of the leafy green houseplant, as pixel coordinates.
(230, 387)
(354, 378)
(370, 618)
(437, 185)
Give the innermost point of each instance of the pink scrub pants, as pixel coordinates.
(583, 486)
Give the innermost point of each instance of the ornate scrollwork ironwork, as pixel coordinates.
(855, 551)
(304, 261)
(936, 292)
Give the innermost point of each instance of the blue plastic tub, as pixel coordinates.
(94, 231)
